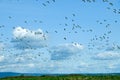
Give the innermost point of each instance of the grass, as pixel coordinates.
(64, 77)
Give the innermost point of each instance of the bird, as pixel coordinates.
(88, 1)
(56, 31)
(118, 12)
(109, 32)
(66, 18)
(115, 21)
(83, 0)
(73, 20)
(66, 24)
(25, 21)
(64, 29)
(43, 4)
(93, 0)
(114, 10)
(105, 20)
(105, 0)
(53, 0)
(108, 8)
(40, 22)
(48, 2)
(73, 28)
(65, 38)
(2, 26)
(111, 4)
(75, 31)
(73, 14)
(118, 47)
(9, 17)
(90, 30)
(100, 22)
(46, 31)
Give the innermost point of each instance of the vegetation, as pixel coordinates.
(65, 77)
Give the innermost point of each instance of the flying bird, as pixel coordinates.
(65, 38)
(53, 0)
(43, 4)
(111, 4)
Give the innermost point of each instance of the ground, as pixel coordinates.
(65, 77)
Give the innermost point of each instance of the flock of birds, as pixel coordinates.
(92, 44)
(116, 11)
(47, 2)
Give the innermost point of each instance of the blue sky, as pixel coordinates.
(64, 36)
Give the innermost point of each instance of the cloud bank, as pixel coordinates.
(64, 51)
(108, 55)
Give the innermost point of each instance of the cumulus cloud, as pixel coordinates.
(64, 51)
(26, 39)
(108, 55)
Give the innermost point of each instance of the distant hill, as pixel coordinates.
(10, 74)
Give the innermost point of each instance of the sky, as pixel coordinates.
(60, 36)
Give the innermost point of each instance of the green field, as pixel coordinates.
(64, 77)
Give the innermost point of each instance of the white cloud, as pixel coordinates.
(25, 38)
(108, 55)
(1, 58)
(22, 67)
(64, 51)
(114, 66)
(111, 66)
(30, 67)
(83, 65)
